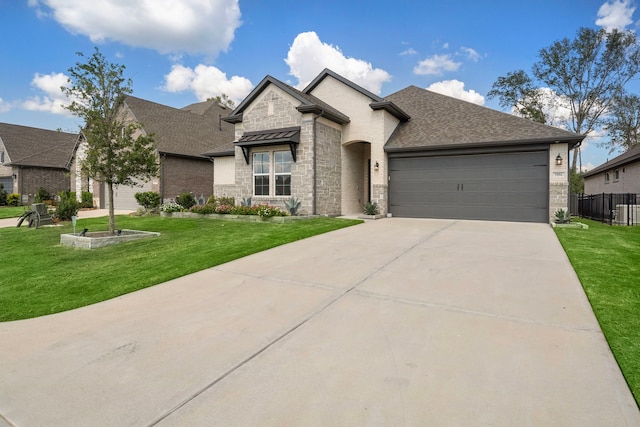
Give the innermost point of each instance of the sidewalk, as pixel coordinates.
(93, 213)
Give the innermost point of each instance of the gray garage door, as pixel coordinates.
(500, 187)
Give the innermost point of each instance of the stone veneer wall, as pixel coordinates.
(558, 179)
(328, 167)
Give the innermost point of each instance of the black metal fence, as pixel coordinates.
(621, 209)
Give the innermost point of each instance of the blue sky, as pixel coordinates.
(182, 51)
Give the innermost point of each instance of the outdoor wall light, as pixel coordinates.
(559, 160)
(376, 165)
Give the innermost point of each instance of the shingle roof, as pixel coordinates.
(27, 146)
(631, 155)
(440, 121)
(191, 131)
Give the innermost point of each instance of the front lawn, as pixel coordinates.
(607, 261)
(12, 211)
(38, 276)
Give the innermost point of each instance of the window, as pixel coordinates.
(616, 175)
(606, 178)
(261, 174)
(1, 157)
(282, 170)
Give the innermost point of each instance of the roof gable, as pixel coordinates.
(377, 103)
(28, 146)
(439, 121)
(629, 156)
(308, 103)
(184, 132)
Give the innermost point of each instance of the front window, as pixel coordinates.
(282, 169)
(261, 174)
(606, 178)
(616, 175)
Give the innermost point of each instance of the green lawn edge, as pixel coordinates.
(607, 262)
(12, 211)
(38, 276)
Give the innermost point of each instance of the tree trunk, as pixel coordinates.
(574, 161)
(112, 217)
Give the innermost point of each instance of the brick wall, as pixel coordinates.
(31, 179)
(184, 175)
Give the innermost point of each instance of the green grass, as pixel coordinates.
(607, 261)
(38, 276)
(11, 211)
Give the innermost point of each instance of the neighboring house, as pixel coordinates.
(618, 175)
(182, 136)
(416, 153)
(31, 158)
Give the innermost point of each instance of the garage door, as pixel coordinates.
(500, 187)
(124, 196)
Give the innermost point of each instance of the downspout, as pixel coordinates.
(162, 157)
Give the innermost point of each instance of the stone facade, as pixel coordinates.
(328, 167)
(558, 179)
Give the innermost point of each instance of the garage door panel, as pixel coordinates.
(505, 186)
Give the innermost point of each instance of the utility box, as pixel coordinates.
(627, 214)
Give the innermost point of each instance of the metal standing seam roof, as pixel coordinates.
(631, 155)
(28, 146)
(274, 136)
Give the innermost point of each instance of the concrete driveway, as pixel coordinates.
(397, 322)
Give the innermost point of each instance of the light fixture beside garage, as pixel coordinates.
(376, 165)
(559, 160)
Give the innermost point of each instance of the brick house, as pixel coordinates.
(31, 158)
(416, 153)
(618, 175)
(181, 135)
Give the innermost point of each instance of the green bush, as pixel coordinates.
(3, 196)
(204, 209)
(371, 208)
(186, 200)
(67, 206)
(42, 195)
(13, 199)
(292, 205)
(148, 199)
(87, 199)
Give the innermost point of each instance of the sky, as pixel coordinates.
(177, 52)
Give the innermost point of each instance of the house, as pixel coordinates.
(31, 158)
(618, 175)
(182, 136)
(416, 153)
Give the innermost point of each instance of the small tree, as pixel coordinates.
(118, 153)
(623, 123)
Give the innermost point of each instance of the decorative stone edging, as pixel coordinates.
(239, 218)
(379, 216)
(98, 239)
(570, 225)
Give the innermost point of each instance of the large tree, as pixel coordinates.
(623, 122)
(118, 153)
(587, 74)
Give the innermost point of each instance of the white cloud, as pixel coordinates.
(308, 56)
(53, 100)
(455, 88)
(206, 82)
(4, 106)
(436, 65)
(192, 26)
(410, 51)
(471, 54)
(615, 15)
(588, 167)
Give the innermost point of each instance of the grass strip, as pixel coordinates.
(38, 276)
(607, 261)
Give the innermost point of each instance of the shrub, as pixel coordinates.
(67, 206)
(42, 195)
(292, 205)
(246, 201)
(242, 210)
(186, 200)
(13, 199)
(267, 211)
(171, 207)
(562, 216)
(204, 209)
(87, 199)
(3, 195)
(148, 199)
(371, 208)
